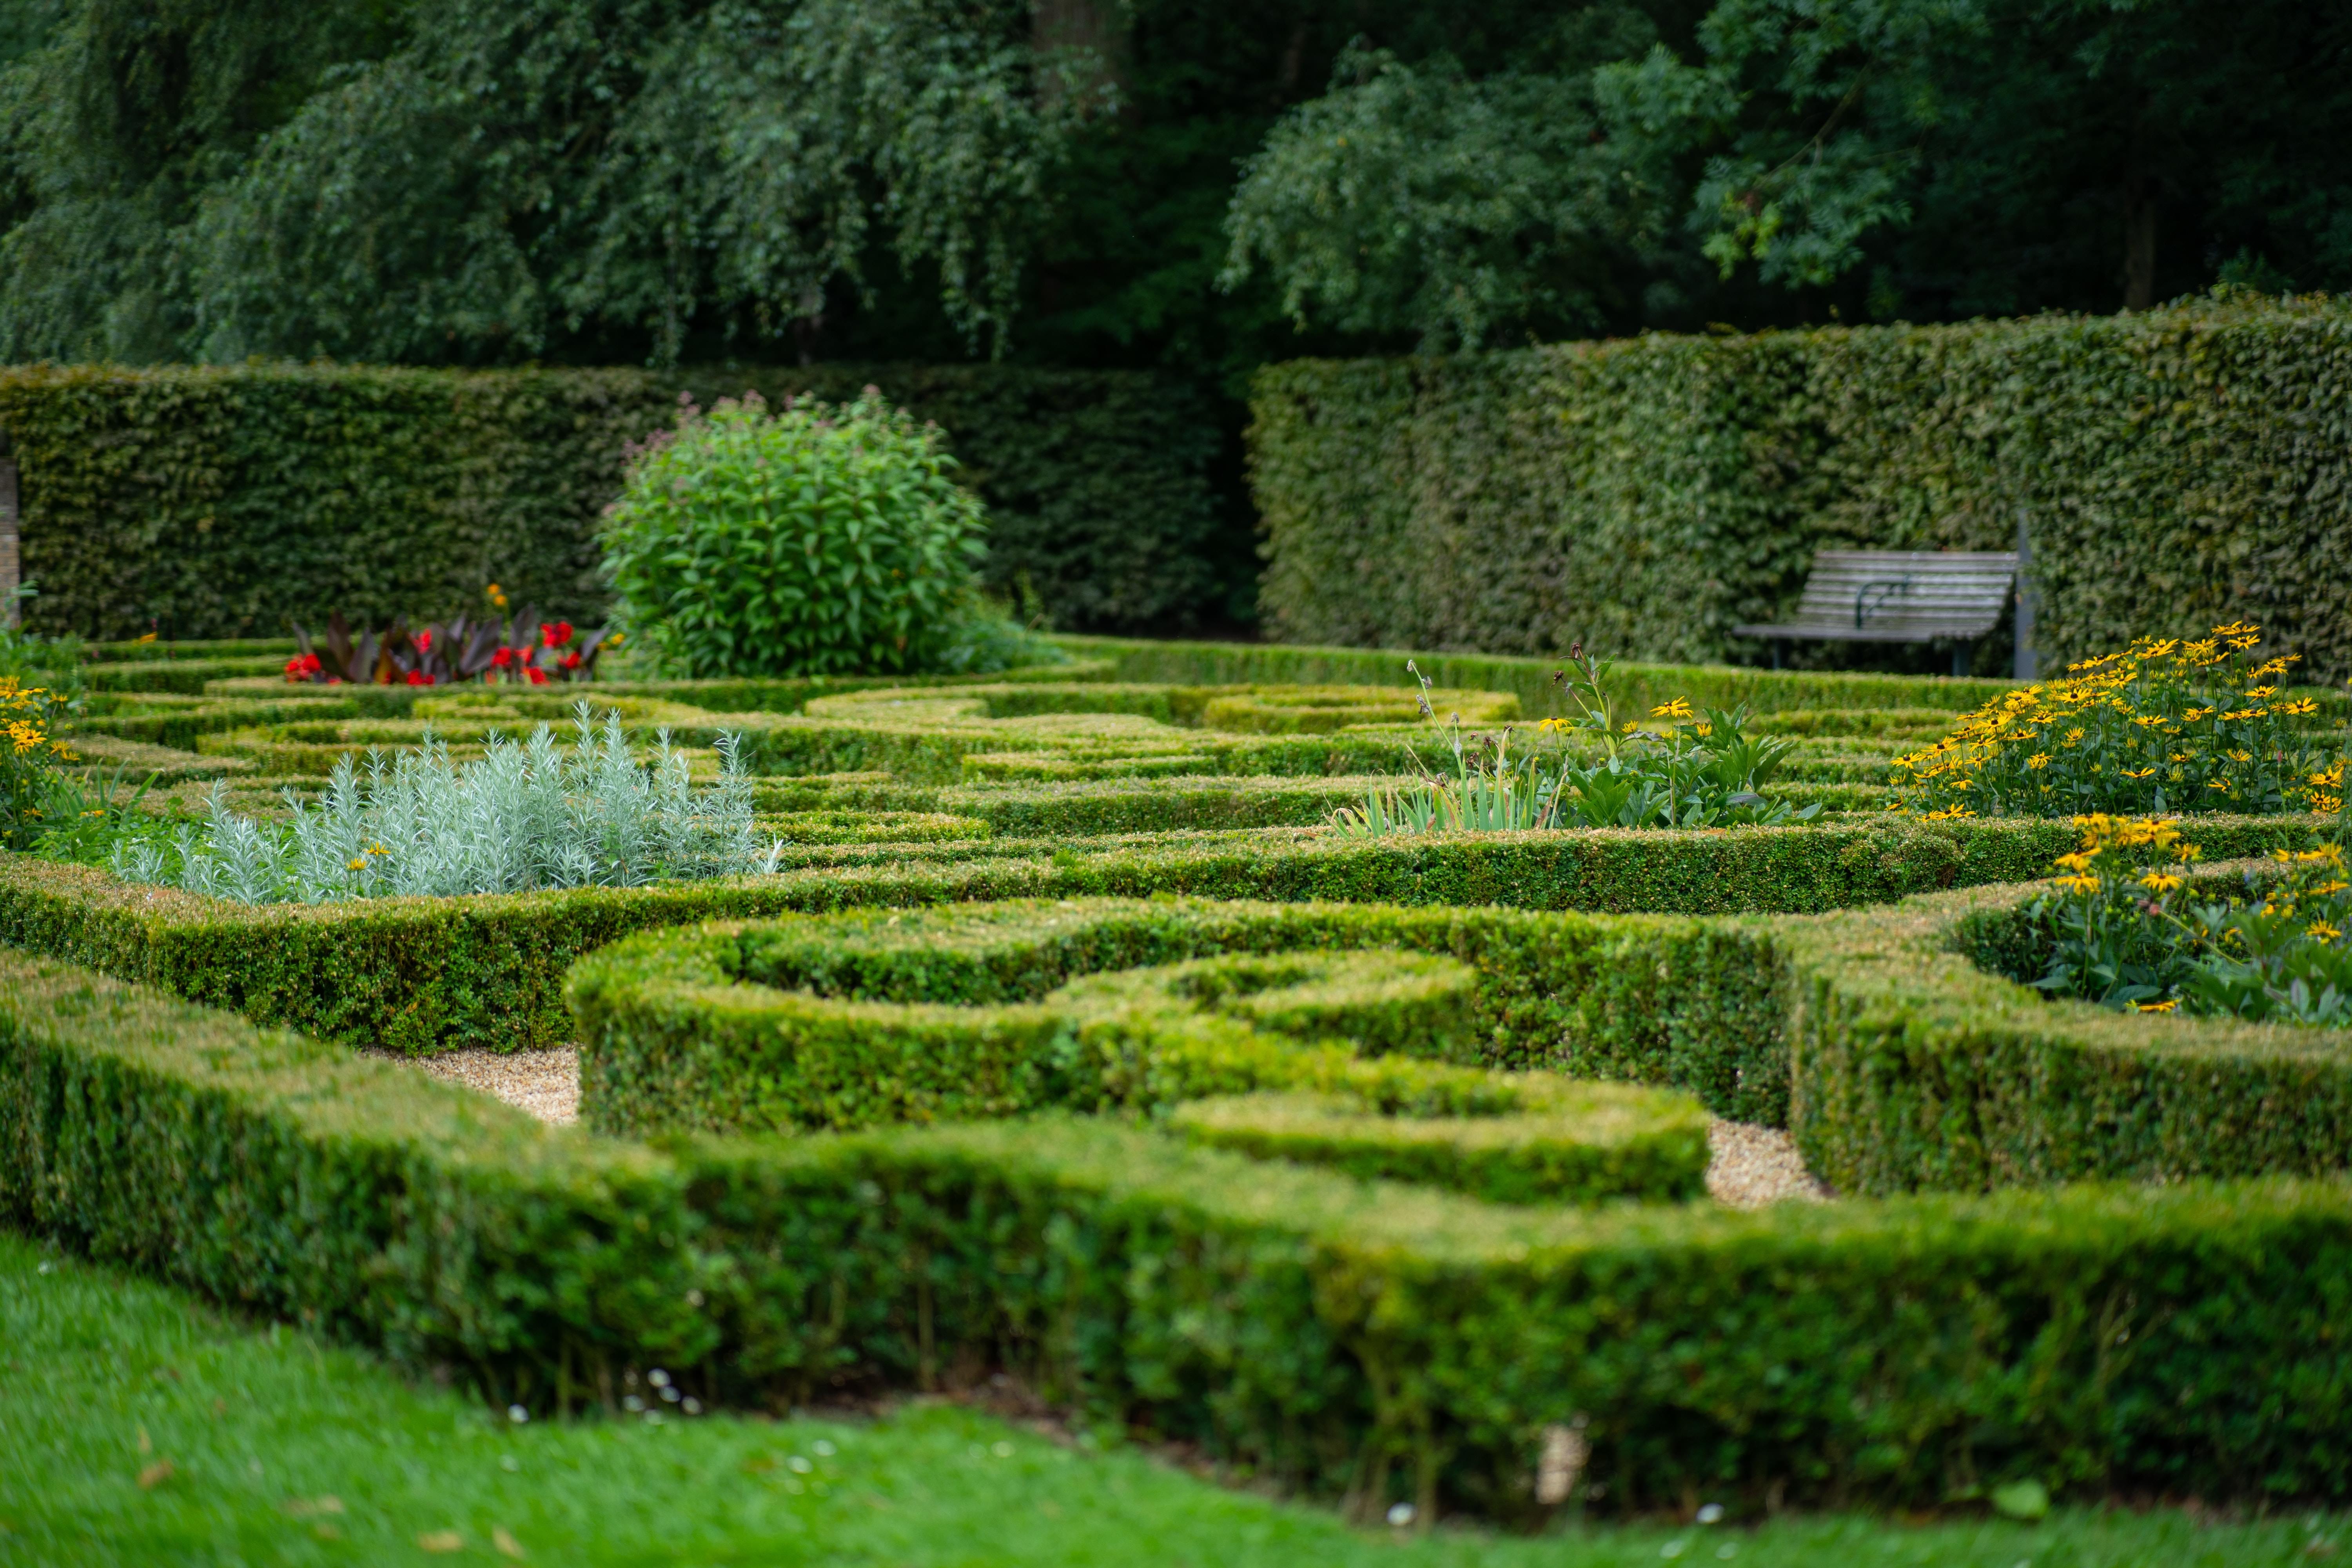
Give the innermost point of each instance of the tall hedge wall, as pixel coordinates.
(2175, 469)
(222, 501)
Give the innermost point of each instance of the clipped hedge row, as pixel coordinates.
(429, 974)
(1916, 1063)
(719, 1030)
(223, 501)
(1898, 1064)
(2173, 469)
(1640, 685)
(1369, 1339)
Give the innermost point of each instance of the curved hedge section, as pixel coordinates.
(1366, 1339)
(719, 1030)
(1896, 1060)
(431, 974)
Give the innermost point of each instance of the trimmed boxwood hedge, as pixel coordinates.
(1640, 685)
(736, 1028)
(1367, 1339)
(1897, 1062)
(1915, 1063)
(2175, 469)
(429, 974)
(223, 500)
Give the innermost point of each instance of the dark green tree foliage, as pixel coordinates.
(1922, 158)
(514, 177)
(521, 171)
(448, 181)
(116, 117)
(1420, 195)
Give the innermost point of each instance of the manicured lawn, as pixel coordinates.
(138, 1426)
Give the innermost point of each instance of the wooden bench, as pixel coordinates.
(1898, 595)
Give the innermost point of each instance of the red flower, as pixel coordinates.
(302, 666)
(418, 678)
(557, 634)
(425, 639)
(503, 657)
(571, 659)
(537, 676)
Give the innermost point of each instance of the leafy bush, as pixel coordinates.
(813, 540)
(1700, 772)
(2168, 725)
(527, 815)
(2126, 929)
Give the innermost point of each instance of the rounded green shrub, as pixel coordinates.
(808, 540)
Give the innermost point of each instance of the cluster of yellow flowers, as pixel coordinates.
(2113, 843)
(26, 713)
(29, 751)
(2166, 725)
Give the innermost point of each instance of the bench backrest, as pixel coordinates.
(1924, 593)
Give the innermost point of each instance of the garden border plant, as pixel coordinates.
(1365, 1339)
(428, 974)
(1895, 1059)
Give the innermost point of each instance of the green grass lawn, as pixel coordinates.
(138, 1426)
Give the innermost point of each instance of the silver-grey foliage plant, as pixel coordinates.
(528, 815)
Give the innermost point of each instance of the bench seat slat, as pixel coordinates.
(1912, 596)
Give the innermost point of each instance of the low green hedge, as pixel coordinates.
(186, 676)
(690, 1031)
(1589, 1141)
(1916, 1064)
(145, 648)
(1640, 685)
(1897, 1063)
(690, 1027)
(1370, 1338)
(428, 974)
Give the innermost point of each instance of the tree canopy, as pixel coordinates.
(1133, 181)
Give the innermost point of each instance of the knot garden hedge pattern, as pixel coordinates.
(1067, 1040)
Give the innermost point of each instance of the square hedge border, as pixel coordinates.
(1351, 1337)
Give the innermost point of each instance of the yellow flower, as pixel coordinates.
(2241, 756)
(2038, 760)
(2166, 1006)
(359, 864)
(1679, 708)
(2159, 881)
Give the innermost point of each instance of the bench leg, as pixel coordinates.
(1776, 652)
(1960, 658)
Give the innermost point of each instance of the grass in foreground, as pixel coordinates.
(138, 1426)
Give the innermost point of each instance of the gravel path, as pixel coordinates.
(545, 1083)
(1751, 1167)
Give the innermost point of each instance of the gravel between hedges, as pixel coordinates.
(545, 1083)
(1751, 1167)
